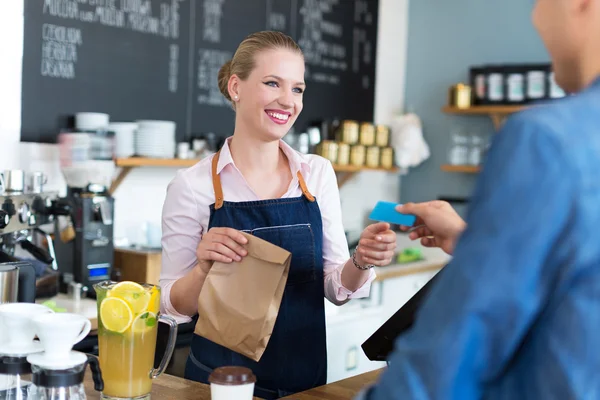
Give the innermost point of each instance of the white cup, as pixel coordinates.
(59, 332)
(228, 383)
(16, 322)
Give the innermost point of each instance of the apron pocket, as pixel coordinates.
(299, 240)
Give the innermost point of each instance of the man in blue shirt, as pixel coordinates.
(516, 313)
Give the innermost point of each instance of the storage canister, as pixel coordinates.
(373, 157)
(367, 134)
(357, 155)
(478, 84)
(387, 157)
(348, 132)
(382, 135)
(495, 84)
(536, 82)
(343, 154)
(329, 150)
(515, 84)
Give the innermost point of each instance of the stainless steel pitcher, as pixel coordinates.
(9, 282)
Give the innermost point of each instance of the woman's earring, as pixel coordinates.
(235, 97)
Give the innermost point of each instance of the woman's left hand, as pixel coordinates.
(376, 246)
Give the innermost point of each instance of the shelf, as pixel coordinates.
(466, 169)
(496, 113)
(344, 172)
(483, 110)
(154, 162)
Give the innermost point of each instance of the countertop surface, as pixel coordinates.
(172, 387)
(434, 259)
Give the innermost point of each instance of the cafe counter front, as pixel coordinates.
(168, 387)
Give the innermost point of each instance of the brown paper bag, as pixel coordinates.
(239, 302)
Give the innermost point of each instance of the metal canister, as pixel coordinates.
(343, 156)
(348, 132)
(357, 155)
(329, 150)
(459, 96)
(367, 134)
(382, 136)
(387, 157)
(373, 157)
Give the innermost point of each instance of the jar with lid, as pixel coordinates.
(343, 155)
(495, 84)
(475, 150)
(348, 132)
(556, 92)
(382, 135)
(478, 84)
(367, 134)
(515, 84)
(536, 82)
(373, 157)
(329, 150)
(387, 157)
(459, 148)
(357, 155)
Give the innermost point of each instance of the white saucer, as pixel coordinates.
(73, 359)
(12, 350)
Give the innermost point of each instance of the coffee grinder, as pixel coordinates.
(84, 245)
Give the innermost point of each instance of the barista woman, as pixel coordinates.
(257, 182)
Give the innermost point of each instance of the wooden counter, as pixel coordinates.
(345, 389)
(169, 387)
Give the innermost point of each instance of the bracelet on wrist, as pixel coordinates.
(357, 265)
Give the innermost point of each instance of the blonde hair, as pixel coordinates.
(243, 61)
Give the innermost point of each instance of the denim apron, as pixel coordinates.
(296, 356)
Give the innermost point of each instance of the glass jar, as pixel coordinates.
(475, 150)
(357, 155)
(458, 152)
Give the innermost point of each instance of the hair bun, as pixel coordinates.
(223, 79)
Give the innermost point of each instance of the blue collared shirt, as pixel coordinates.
(516, 314)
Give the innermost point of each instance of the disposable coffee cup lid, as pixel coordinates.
(232, 376)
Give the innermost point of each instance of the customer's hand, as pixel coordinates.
(376, 245)
(220, 244)
(437, 224)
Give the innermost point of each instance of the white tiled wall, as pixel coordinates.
(140, 197)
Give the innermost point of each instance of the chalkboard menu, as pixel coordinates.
(158, 59)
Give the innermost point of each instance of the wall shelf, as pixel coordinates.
(343, 172)
(466, 169)
(497, 113)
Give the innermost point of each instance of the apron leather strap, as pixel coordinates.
(305, 191)
(219, 189)
(216, 179)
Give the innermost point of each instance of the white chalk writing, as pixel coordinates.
(209, 63)
(59, 51)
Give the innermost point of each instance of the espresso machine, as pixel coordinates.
(24, 209)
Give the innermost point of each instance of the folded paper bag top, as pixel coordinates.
(239, 302)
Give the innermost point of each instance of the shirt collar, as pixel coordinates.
(298, 162)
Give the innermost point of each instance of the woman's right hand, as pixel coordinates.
(220, 244)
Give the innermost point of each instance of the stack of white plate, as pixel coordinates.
(124, 138)
(155, 139)
(91, 120)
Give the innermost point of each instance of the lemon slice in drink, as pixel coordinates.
(144, 322)
(116, 314)
(134, 294)
(154, 300)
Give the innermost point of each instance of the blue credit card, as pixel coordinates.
(385, 211)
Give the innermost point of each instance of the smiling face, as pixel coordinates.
(270, 99)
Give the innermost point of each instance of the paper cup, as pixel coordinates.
(227, 383)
